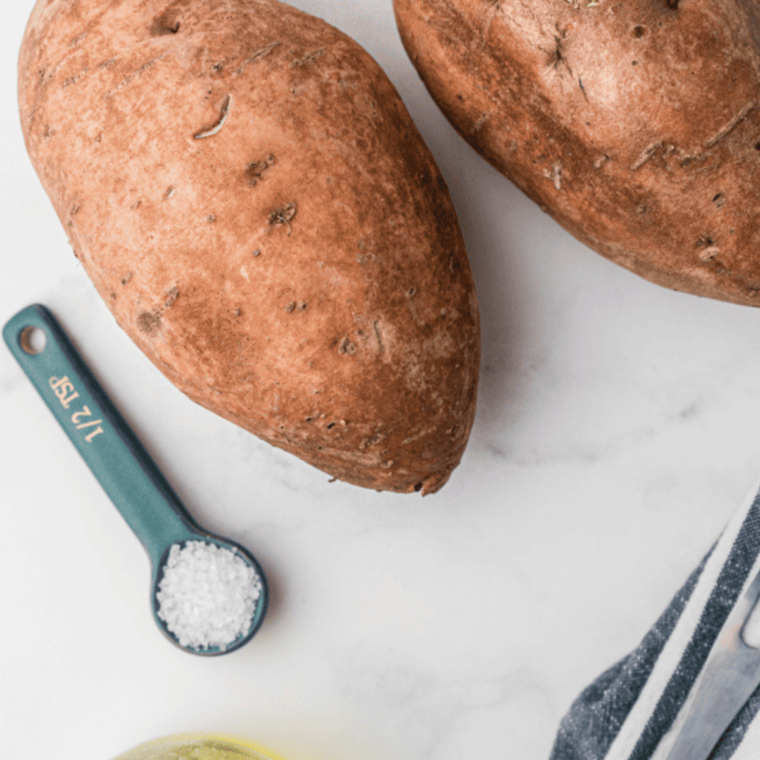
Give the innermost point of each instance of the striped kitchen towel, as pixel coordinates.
(627, 712)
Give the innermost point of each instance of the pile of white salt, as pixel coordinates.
(208, 595)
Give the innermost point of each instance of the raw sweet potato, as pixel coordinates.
(249, 195)
(634, 124)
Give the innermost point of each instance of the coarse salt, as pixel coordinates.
(208, 595)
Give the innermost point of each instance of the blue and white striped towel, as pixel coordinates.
(628, 712)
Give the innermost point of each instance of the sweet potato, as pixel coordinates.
(634, 124)
(247, 192)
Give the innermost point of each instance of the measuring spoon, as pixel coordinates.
(126, 472)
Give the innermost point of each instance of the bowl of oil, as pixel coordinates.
(198, 746)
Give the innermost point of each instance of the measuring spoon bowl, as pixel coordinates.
(234, 604)
(121, 464)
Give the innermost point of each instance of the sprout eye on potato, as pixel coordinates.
(635, 124)
(251, 199)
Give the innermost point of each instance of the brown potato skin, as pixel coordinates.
(634, 124)
(249, 195)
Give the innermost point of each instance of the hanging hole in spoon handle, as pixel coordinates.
(120, 463)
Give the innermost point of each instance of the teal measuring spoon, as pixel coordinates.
(136, 486)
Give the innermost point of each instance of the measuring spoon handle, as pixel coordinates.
(108, 446)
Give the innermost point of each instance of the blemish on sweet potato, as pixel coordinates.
(379, 336)
(74, 78)
(134, 76)
(555, 175)
(373, 440)
(76, 40)
(556, 57)
(149, 323)
(256, 56)
(734, 122)
(171, 296)
(710, 253)
(219, 123)
(308, 58)
(283, 215)
(256, 170)
(346, 347)
(601, 161)
(166, 23)
(480, 122)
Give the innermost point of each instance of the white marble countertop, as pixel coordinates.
(617, 430)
